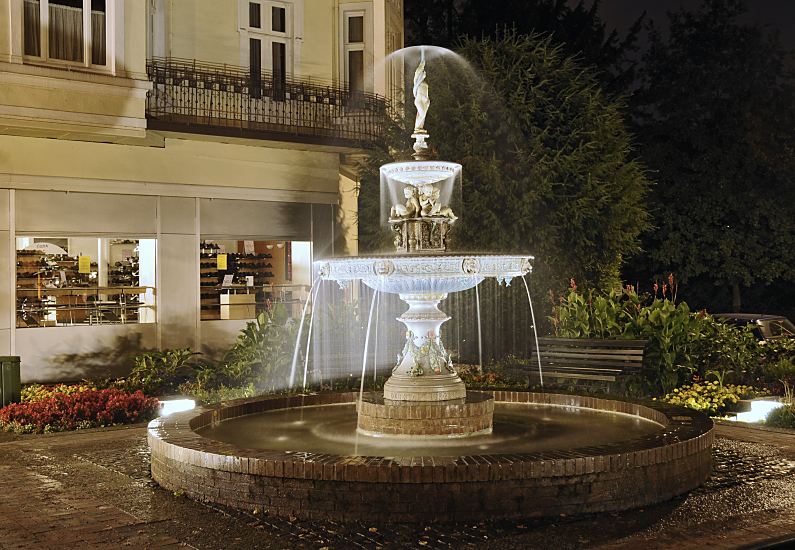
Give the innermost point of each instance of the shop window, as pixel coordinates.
(65, 281)
(66, 31)
(240, 278)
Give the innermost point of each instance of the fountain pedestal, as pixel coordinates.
(424, 371)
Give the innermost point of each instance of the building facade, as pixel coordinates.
(169, 168)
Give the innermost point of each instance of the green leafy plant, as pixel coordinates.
(781, 417)
(263, 350)
(783, 371)
(161, 372)
(216, 395)
(681, 342)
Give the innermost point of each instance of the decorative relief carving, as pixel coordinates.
(470, 266)
(384, 268)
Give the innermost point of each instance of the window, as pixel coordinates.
(269, 37)
(279, 58)
(74, 32)
(278, 19)
(255, 66)
(354, 52)
(241, 278)
(254, 15)
(65, 281)
(356, 29)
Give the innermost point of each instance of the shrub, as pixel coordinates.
(709, 397)
(85, 409)
(222, 393)
(681, 342)
(262, 352)
(40, 392)
(782, 370)
(781, 417)
(161, 372)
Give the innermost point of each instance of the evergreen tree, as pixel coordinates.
(716, 117)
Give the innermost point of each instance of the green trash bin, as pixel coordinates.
(9, 380)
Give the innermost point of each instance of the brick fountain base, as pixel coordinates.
(308, 485)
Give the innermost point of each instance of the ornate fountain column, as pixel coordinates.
(424, 371)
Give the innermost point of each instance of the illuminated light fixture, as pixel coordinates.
(760, 408)
(269, 246)
(171, 406)
(279, 245)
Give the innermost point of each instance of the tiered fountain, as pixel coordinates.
(427, 449)
(423, 274)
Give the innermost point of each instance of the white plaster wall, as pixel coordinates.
(73, 353)
(218, 336)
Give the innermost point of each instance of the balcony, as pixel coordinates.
(189, 96)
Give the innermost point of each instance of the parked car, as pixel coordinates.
(766, 327)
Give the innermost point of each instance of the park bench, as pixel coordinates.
(587, 359)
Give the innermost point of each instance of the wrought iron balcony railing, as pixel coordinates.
(229, 100)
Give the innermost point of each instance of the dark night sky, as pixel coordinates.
(776, 14)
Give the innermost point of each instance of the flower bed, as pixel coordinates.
(80, 410)
(709, 397)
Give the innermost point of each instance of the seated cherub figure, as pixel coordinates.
(431, 205)
(412, 207)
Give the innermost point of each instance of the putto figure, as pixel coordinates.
(412, 208)
(431, 206)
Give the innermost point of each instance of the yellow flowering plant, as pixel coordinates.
(709, 396)
(34, 393)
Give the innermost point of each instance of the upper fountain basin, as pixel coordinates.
(424, 274)
(420, 172)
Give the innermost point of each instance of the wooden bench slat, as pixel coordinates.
(588, 351)
(581, 376)
(588, 357)
(586, 342)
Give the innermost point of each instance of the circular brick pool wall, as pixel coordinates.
(309, 485)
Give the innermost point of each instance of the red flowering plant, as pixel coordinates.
(85, 409)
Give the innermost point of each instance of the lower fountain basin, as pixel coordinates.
(338, 475)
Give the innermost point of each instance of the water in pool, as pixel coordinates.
(518, 428)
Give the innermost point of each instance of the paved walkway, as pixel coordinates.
(93, 490)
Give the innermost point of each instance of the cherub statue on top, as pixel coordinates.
(412, 208)
(430, 204)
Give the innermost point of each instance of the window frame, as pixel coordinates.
(86, 64)
(266, 35)
(348, 11)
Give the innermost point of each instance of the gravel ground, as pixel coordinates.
(93, 490)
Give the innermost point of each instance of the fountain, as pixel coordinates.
(422, 274)
(427, 449)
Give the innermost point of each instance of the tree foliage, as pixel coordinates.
(548, 167)
(577, 26)
(715, 114)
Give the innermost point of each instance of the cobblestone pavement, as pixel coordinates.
(93, 490)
